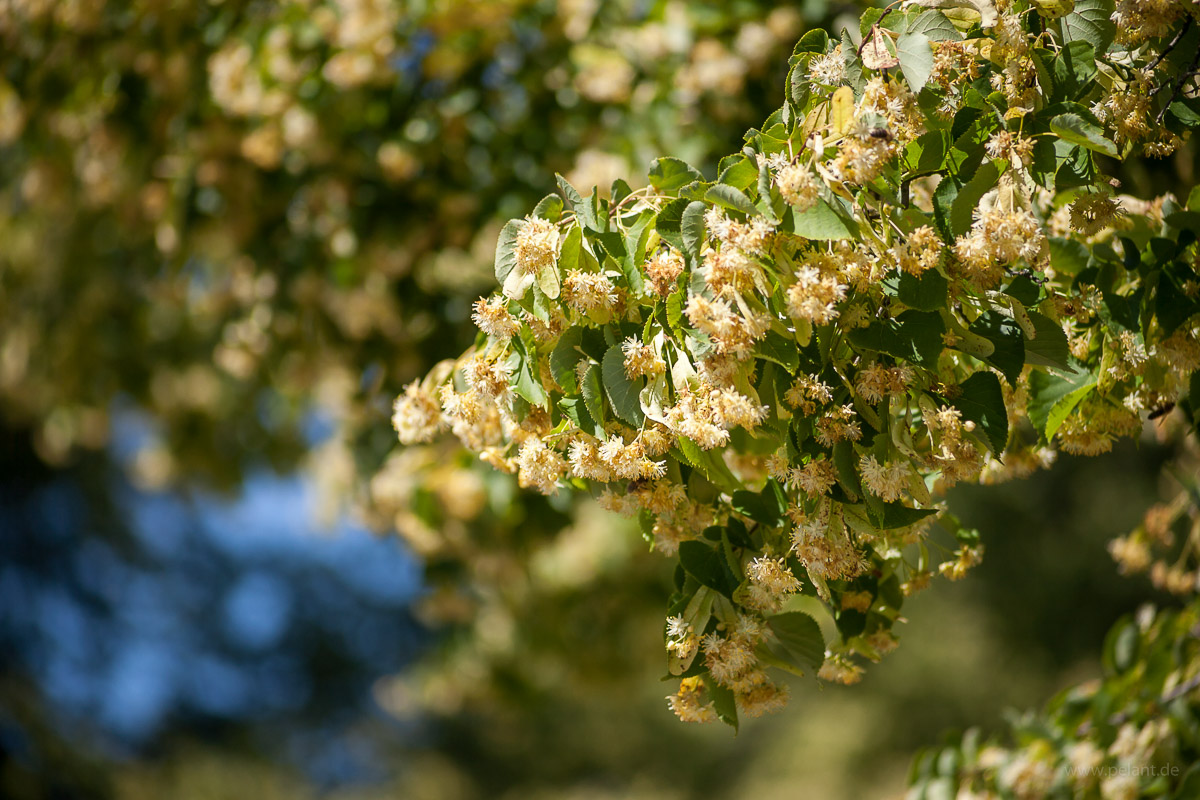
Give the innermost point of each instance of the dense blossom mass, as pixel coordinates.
(913, 275)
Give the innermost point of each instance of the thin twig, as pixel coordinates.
(875, 25)
(1123, 717)
(1170, 45)
(1177, 692)
(1190, 72)
(1181, 690)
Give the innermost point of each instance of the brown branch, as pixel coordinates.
(1123, 717)
(1190, 72)
(1180, 690)
(882, 17)
(1171, 45)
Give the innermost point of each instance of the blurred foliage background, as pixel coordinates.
(230, 231)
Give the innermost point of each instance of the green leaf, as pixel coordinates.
(774, 134)
(943, 206)
(675, 309)
(967, 200)
(1046, 390)
(1024, 289)
(854, 66)
(916, 59)
(619, 191)
(814, 41)
(1074, 68)
(964, 120)
(890, 591)
(981, 400)
(583, 210)
(822, 222)
(529, 387)
(935, 26)
(780, 349)
(549, 207)
(1193, 201)
(768, 204)
(926, 153)
(622, 392)
(637, 236)
(915, 336)
(1186, 111)
(612, 243)
(969, 147)
(669, 223)
(575, 409)
(724, 195)
(1077, 130)
(846, 462)
(692, 228)
(985, 8)
(1122, 310)
(668, 175)
(506, 257)
(798, 86)
(535, 305)
(1172, 305)
(1053, 9)
(1063, 408)
(565, 356)
(571, 250)
(1050, 348)
(1075, 166)
(1044, 162)
(868, 19)
(740, 172)
(850, 623)
(697, 343)
(708, 462)
(1067, 256)
(1121, 646)
(1184, 220)
(801, 637)
(889, 516)
(706, 565)
(724, 702)
(593, 394)
(547, 281)
(1189, 785)
(768, 507)
(1042, 62)
(594, 344)
(1091, 22)
(925, 293)
(1009, 340)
